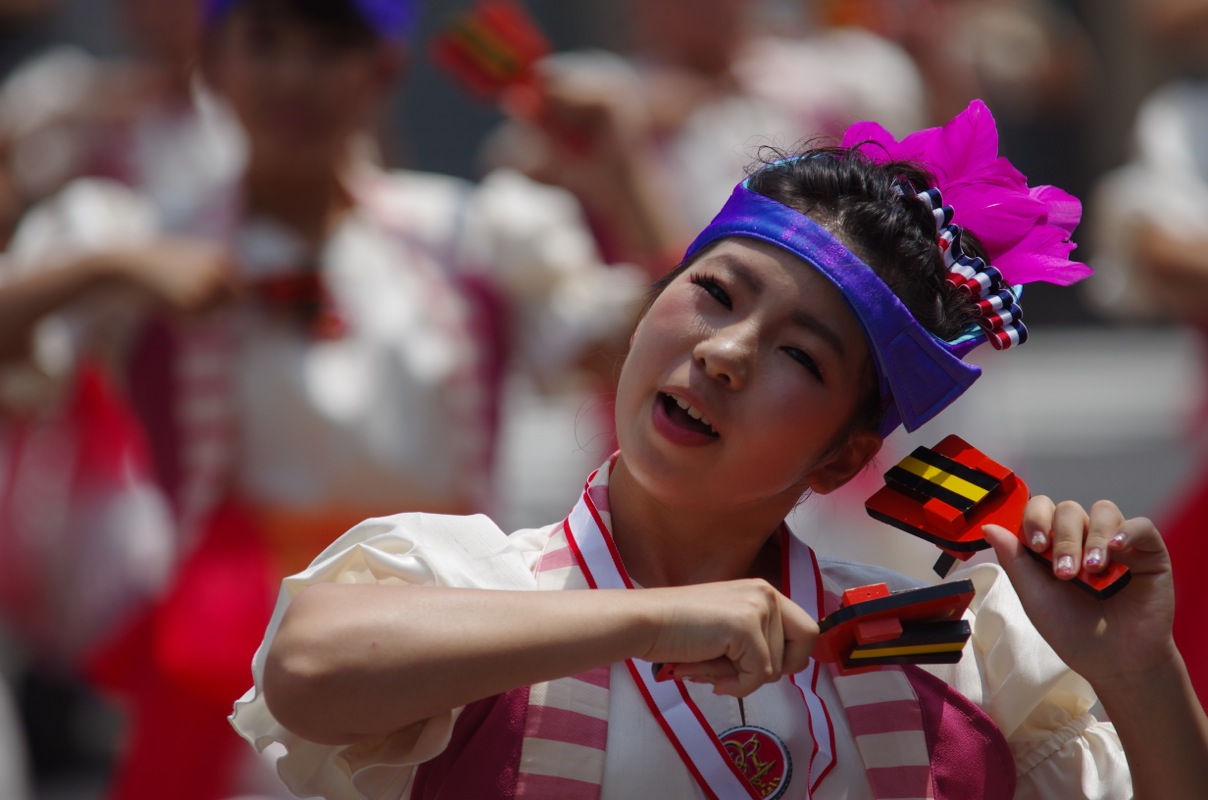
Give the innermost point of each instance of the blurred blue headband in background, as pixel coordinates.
(392, 20)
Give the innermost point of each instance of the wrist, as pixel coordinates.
(648, 620)
(1165, 672)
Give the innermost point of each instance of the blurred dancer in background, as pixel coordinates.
(311, 342)
(1150, 228)
(701, 87)
(145, 119)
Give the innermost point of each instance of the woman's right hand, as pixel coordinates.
(737, 635)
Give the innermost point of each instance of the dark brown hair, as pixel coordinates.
(339, 21)
(856, 199)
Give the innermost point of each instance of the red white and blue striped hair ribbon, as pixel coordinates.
(999, 314)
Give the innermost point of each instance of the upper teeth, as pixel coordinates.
(692, 412)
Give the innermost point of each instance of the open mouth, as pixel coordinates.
(685, 416)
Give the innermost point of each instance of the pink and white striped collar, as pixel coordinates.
(893, 734)
(588, 534)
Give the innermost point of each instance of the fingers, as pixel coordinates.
(799, 650)
(1022, 569)
(1139, 545)
(779, 642)
(1082, 539)
(1038, 522)
(713, 671)
(1104, 525)
(1067, 534)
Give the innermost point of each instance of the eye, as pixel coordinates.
(805, 360)
(711, 285)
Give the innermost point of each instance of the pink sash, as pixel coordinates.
(588, 534)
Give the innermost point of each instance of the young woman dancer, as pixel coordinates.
(432, 656)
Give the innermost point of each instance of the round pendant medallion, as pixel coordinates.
(761, 757)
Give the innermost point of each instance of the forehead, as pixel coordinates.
(763, 266)
(785, 282)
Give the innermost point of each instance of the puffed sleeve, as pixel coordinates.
(1043, 708)
(535, 245)
(87, 215)
(407, 549)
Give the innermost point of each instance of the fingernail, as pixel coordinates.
(1118, 540)
(1065, 566)
(1039, 541)
(1094, 557)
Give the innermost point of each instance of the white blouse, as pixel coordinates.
(1042, 708)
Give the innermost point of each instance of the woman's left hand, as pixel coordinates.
(1110, 642)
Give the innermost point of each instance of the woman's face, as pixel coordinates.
(299, 92)
(742, 381)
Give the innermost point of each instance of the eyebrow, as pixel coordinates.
(800, 318)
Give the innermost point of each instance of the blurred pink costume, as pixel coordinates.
(274, 425)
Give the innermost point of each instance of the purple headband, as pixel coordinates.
(390, 19)
(919, 374)
(1026, 231)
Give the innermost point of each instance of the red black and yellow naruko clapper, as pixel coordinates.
(945, 494)
(873, 626)
(491, 47)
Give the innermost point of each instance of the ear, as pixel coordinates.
(859, 449)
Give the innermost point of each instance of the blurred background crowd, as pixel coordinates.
(142, 141)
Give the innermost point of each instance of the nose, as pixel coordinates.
(726, 354)
(295, 70)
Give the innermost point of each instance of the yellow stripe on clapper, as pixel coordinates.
(943, 479)
(909, 650)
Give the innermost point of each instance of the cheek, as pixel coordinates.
(631, 377)
(798, 420)
(648, 347)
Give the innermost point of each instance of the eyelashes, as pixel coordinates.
(714, 288)
(805, 360)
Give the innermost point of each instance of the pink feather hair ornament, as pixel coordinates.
(1026, 230)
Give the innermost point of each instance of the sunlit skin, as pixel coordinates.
(764, 348)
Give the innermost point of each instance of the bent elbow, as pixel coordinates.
(297, 690)
(301, 684)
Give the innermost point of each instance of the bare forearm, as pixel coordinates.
(654, 235)
(25, 300)
(1164, 732)
(1174, 268)
(354, 662)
